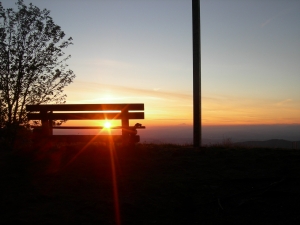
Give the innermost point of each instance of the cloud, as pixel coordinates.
(109, 63)
(156, 93)
(279, 14)
(268, 21)
(284, 102)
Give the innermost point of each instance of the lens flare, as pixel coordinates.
(107, 124)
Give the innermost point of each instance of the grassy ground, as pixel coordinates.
(154, 184)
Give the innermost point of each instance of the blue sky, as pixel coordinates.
(141, 51)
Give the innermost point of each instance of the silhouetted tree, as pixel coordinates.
(33, 67)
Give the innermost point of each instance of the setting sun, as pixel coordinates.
(107, 124)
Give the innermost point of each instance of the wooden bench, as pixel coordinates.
(47, 114)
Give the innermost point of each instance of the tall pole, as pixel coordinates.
(196, 73)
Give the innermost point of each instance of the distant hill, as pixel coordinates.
(273, 143)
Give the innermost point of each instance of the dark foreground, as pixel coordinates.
(154, 184)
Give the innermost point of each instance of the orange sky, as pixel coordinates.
(164, 108)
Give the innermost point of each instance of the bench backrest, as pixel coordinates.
(72, 111)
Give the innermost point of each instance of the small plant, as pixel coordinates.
(226, 143)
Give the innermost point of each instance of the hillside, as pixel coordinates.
(152, 184)
(273, 143)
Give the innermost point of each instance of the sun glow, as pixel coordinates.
(107, 125)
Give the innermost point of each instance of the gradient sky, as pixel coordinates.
(140, 51)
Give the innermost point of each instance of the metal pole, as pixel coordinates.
(196, 73)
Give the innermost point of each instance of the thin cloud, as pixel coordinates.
(268, 21)
(281, 13)
(158, 93)
(284, 102)
(110, 63)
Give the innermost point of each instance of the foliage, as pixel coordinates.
(33, 67)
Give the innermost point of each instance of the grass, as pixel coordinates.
(156, 184)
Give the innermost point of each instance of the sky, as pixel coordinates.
(140, 51)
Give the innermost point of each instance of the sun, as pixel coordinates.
(107, 124)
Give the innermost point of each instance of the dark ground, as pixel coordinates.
(157, 184)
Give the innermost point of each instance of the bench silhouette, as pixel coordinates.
(47, 114)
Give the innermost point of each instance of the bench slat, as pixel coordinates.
(89, 127)
(85, 116)
(89, 138)
(86, 107)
